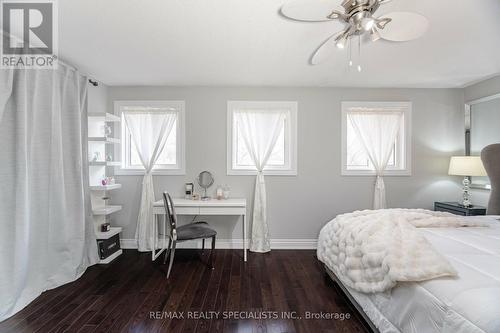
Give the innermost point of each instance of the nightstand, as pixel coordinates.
(459, 209)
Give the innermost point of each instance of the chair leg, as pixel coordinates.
(202, 246)
(171, 259)
(168, 250)
(211, 259)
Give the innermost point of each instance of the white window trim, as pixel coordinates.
(264, 105)
(181, 136)
(407, 106)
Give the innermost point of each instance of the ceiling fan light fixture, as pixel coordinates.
(367, 23)
(341, 43)
(341, 40)
(374, 34)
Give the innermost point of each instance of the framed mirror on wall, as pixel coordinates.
(482, 128)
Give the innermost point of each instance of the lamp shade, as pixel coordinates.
(466, 166)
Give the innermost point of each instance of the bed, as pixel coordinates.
(468, 303)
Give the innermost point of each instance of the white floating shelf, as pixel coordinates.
(106, 210)
(108, 234)
(104, 139)
(111, 257)
(106, 163)
(108, 117)
(105, 187)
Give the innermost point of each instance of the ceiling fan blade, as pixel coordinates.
(404, 26)
(326, 49)
(311, 10)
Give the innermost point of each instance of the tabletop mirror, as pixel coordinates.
(482, 123)
(205, 180)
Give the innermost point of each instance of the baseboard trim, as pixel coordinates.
(276, 244)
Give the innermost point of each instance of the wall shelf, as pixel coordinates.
(101, 144)
(111, 257)
(106, 163)
(104, 139)
(108, 234)
(105, 187)
(107, 117)
(106, 210)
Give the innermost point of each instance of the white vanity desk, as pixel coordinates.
(235, 207)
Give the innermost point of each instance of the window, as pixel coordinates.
(355, 161)
(283, 158)
(172, 159)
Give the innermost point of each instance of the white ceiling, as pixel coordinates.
(247, 42)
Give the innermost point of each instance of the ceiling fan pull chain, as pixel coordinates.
(359, 53)
(350, 53)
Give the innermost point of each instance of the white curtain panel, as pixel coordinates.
(260, 130)
(149, 132)
(377, 130)
(46, 228)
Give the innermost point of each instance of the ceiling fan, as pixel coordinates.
(360, 20)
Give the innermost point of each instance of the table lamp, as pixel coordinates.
(466, 166)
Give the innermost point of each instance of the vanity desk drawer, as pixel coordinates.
(222, 211)
(187, 210)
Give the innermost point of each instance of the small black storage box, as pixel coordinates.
(108, 246)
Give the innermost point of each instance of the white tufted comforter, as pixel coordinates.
(371, 250)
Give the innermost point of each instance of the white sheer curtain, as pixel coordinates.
(149, 132)
(377, 130)
(46, 230)
(260, 130)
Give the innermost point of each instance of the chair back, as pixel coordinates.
(170, 212)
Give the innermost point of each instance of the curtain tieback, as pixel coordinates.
(260, 176)
(379, 183)
(148, 176)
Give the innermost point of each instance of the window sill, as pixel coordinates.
(233, 172)
(390, 173)
(162, 172)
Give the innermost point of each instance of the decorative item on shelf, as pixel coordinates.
(226, 191)
(205, 180)
(105, 227)
(189, 191)
(110, 180)
(196, 196)
(109, 157)
(104, 181)
(106, 130)
(96, 157)
(466, 166)
(219, 193)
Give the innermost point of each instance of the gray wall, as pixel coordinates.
(482, 89)
(298, 206)
(97, 98)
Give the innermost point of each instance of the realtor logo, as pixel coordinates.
(29, 38)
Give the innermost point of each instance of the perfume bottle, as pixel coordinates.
(219, 193)
(226, 191)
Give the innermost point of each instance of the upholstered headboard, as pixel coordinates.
(491, 160)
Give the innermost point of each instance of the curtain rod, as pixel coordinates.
(95, 83)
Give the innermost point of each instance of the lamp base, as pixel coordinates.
(466, 193)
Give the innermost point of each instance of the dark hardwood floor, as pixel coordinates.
(132, 295)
